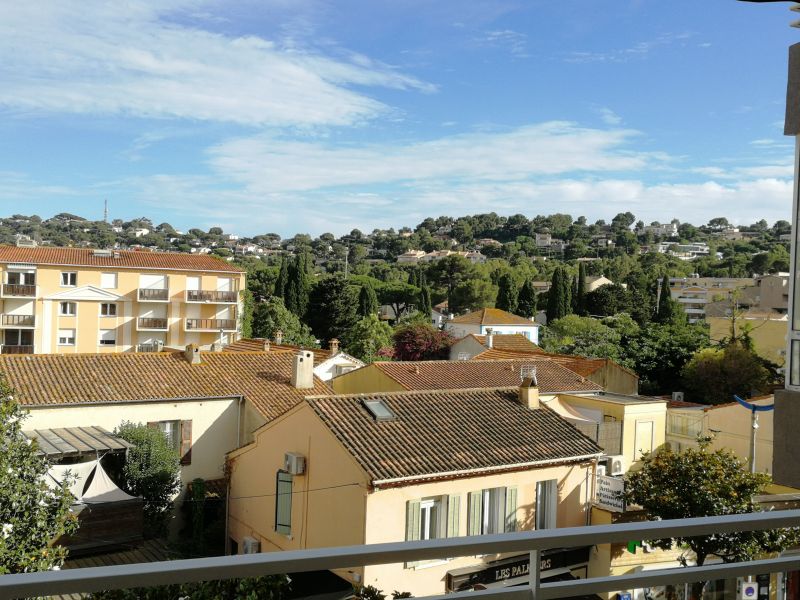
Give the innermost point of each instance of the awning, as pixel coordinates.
(565, 410)
(68, 442)
(90, 483)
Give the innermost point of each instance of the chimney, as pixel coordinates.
(303, 370)
(333, 346)
(192, 354)
(529, 391)
(489, 337)
(266, 345)
(278, 337)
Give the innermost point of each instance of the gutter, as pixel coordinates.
(130, 401)
(483, 470)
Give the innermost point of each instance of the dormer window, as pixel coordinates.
(379, 410)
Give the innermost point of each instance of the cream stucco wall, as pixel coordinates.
(214, 426)
(768, 335)
(88, 321)
(386, 516)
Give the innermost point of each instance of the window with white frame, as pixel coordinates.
(492, 510)
(108, 337)
(432, 518)
(69, 278)
(283, 503)
(66, 337)
(108, 309)
(67, 309)
(172, 431)
(108, 281)
(546, 503)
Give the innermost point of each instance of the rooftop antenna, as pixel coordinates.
(105, 210)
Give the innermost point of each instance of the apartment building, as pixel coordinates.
(694, 293)
(76, 300)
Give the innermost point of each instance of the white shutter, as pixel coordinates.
(108, 281)
(153, 282)
(511, 509)
(475, 516)
(453, 515)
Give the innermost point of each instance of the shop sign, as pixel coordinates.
(609, 493)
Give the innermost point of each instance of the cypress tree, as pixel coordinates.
(507, 293)
(526, 303)
(573, 306)
(282, 280)
(554, 297)
(566, 295)
(367, 300)
(580, 304)
(424, 305)
(296, 291)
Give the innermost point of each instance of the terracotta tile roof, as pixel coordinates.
(579, 364)
(461, 374)
(450, 433)
(263, 378)
(514, 342)
(492, 316)
(257, 345)
(128, 259)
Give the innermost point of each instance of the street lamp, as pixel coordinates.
(786, 445)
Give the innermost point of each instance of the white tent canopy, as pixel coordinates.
(99, 488)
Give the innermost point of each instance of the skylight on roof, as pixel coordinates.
(379, 410)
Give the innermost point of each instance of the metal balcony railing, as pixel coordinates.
(16, 349)
(534, 542)
(19, 320)
(149, 347)
(19, 289)
(153, 295)
(211, 324)
(152, 323)
(225, 297)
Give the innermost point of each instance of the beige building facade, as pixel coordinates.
(74, 300)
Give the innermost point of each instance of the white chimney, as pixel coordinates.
(192, 354)
(529, 391)
(489, 337)
(303, 370)
(278, 337)
(333, 346)
(266, 345)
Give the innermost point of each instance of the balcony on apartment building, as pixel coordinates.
(18, 290)
(17, 321)
(210, 324)
(16, 349)
(150, 347)
(212, 296)
(526, 584)
(153, 295)
(152, 324)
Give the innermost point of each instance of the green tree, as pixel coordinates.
(32, 515)
(507, 293)
(333, 307)
(246, 315)
(272, 316)
(661, 350)
(424, 304)
(714, 375)
(580, 300)
(559, 298)
(526, 303)
(283, 279)
(609, 299)
(367, 300)
(367, 337)
(152, 471)
(582, 336)
(472, 294)
(704, 483)
(296, 292)
(667, 308)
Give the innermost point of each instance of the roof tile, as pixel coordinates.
(492, 316)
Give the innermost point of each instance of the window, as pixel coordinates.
(179, 435)
(66, 337)
(108, 281)
(379, 410)
(69, 279)
(492, 510)
(546, 503)
(108, 337)
(108, 309)
(283, 503)
(68, 309)
(432, 518)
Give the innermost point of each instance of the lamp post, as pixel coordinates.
(786, 445)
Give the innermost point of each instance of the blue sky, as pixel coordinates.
(311, 115)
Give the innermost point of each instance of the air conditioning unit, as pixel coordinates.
(251, 546)
(615, 465)
(601, 470)
(294, 464)
(677, 396)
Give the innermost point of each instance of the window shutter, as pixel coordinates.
(474, 520)
(511, 509)
(412, 520)
(186, 442)
(453, 515)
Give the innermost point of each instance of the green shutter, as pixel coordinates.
(474, 520)
(412, 520)
(453, 515)
(511, 509)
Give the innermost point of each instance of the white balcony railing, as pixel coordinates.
(270, 563)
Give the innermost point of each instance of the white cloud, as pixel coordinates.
(514, 41)
(609, 116)
(133, 58)
(638, 50)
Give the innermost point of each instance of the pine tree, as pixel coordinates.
(507, 293)
(526, 303)
(367, 300)
(580, 304)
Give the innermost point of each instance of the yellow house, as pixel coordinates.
(372, 468)
(729, 425)
(767, 330)
(74, 300)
